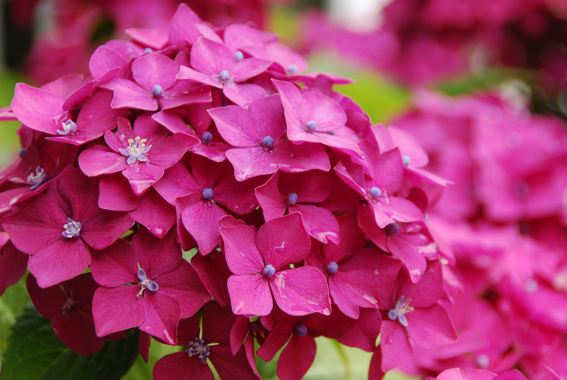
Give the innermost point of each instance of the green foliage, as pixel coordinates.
(9, 143)
(34, 353)
(12, 304)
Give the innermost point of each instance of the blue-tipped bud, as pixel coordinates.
(292, 69)
(157, 90)
(310, 126)
(332, 268)
(267, 142)
(269, 271)
(153, 286)
(392, 315)
(406, 160)
(301, 330)
(292, 199)
(207, 137)
(224, 75)
(374, 192)
(148, 50)
(207, 194)
(22, 152)
(142, 274)
(238, 56)
(391, 229)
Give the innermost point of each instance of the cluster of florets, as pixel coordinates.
(505, 219)
(73, 29)
(424, 41)
(192, 171)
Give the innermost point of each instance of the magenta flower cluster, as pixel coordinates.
(212, 142)
(505, 219)
(422, 42)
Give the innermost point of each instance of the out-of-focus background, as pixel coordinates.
(388, 47)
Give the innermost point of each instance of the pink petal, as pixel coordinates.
(115, 194)
(201, 219)
(250, 295)
(128, 94)
(154, 213)
(186, 287)
(13, 265)
(182, 29)
(237, 126)
(426, 292)
(283, 241)
(162, 316)
(153, 38)
(214, 273)
(36, 108)
(117, 309)
(185, 73)
(46, 266)
(154, 69)
(210, 57)
(297, 357)
(184, 93)
(319, 222)
(95, 162)
(229, 366)
(242, 93)
(115, 266)
(76, 330)
(248, 68)
(363, 333)
(301, 291)
(180, 366)
(239, 247)
(431, 328)
(394, 345)
(177, 182)
(269, 197)
(104, 229)
(156, 256)
(326, 112)
(142, 176)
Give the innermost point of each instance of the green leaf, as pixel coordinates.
(12, 304)
(34, 352)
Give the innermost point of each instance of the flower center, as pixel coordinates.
(146, 283)
(36, 179)
(22, 152)
(268, 142)
(406, 160)
(391, 229)
(72, 229)
(292, 69)
(69, 305)
(291, 199)
(207, 137)
(157, 90)
(522, 189)
(310, 126)
(207, 194)
(301, 330)
(332, 267)
(224, 76)
(374, 192)
(69, 128)
(269, 270)
(199, 348)
(238, 56)
(402, 307)
(148, 50)
(136, 150)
